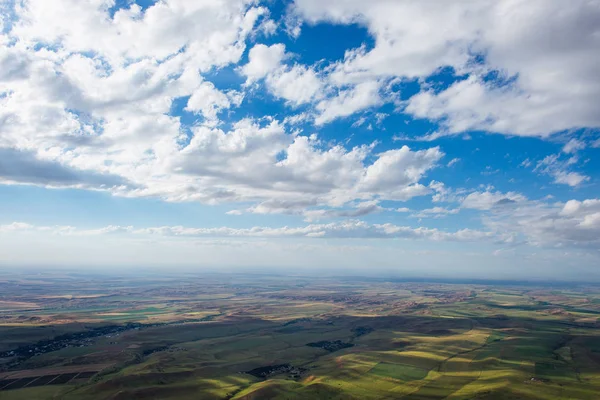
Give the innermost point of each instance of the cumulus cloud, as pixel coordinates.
(208, 100)
(263, 60)
(296, 84)
(348, 102)
(88, 103)
(397, 172)
(543, 58)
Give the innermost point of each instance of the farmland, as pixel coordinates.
(219, 336)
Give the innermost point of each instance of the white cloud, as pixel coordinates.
(574, 223)
(306, 209)
(556, 167)
(361, 210)
(573, 146)
(268, 27)
(209, 32)
(435, 212)
(546, 58)
(573, 179)
(296, 84)
(348, 101)
(351, 229)
(398, 171)
(488, 200)
(208, 100)
(88, 103)
(453, 162)
(263, 60)
(15, 226)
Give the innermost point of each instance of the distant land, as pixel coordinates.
(74, 335)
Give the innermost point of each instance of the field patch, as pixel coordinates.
(402, 372)
(554, 370)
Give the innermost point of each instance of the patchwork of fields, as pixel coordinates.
(259, 337)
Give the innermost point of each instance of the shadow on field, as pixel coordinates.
(206, 360)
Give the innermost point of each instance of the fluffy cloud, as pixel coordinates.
(397, 172)
(91, 93)
(529, 63)
(210, 33)
(348, 102)
(209, 101)
(297, 84)
(263, 60)
(87, 103)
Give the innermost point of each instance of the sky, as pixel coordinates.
(413, 138)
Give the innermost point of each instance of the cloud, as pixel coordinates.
(453, 162)
(24, 168)
(263, 60)
(351, 229)
(296, 84)
(509, 222)
(435, 212)
(488, 200)
(348, 102)
(102, 114)
(361, 210)
(398, 171)
(572, 224)
(573, 146)
(260, 162)
(91, 97)
(558, 168)
(207, 100)
(15, 226)
(529, 64)
(207, 33)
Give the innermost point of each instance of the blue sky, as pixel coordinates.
(399, 137)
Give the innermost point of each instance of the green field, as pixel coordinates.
(207, 338)
(402, 372)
